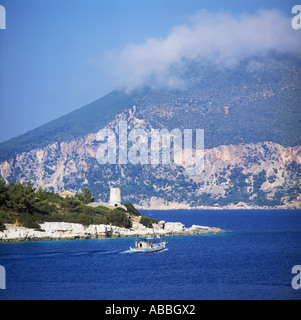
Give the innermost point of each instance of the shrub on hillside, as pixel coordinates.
(118, 218)
(148, 222)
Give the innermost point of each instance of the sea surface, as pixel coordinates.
(253, 259)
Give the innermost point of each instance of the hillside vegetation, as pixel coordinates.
(27, 206)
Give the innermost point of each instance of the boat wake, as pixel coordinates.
(131, 251)
(107, 252)
(92, 253)
(127, 251)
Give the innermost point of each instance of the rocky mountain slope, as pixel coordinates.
(258, 174)
(251, 121)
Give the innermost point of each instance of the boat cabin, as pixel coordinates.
(143, 243)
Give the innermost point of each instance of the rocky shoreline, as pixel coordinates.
(73, 231)
(160, 204)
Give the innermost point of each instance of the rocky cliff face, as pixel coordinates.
(244, 175)
(251, 120)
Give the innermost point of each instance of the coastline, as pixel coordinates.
(74, 231)
(239, 206)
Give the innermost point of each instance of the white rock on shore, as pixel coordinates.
(64, 231)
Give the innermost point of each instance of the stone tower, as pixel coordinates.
(115, 197)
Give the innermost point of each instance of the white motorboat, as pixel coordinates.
(149, 244)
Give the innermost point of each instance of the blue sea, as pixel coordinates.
(253, 259)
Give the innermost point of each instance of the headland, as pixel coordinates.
(73, 231)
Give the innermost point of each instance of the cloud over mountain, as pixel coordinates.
(218, 38)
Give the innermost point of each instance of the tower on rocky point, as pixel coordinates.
(115, 197)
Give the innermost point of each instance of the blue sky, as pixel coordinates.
(53, 53)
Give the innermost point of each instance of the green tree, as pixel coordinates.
(41, 195)
(118, 218)
(71, 204)
(148, 222)
(3, 192)
(2, 226)
(27, 220)
(30, 197)
(85, 197)
(132, 210)
(21, 198)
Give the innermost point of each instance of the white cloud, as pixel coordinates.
(219, 38)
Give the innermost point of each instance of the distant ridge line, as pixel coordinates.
(87, 119)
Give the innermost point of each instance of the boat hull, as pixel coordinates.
(149, 249)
